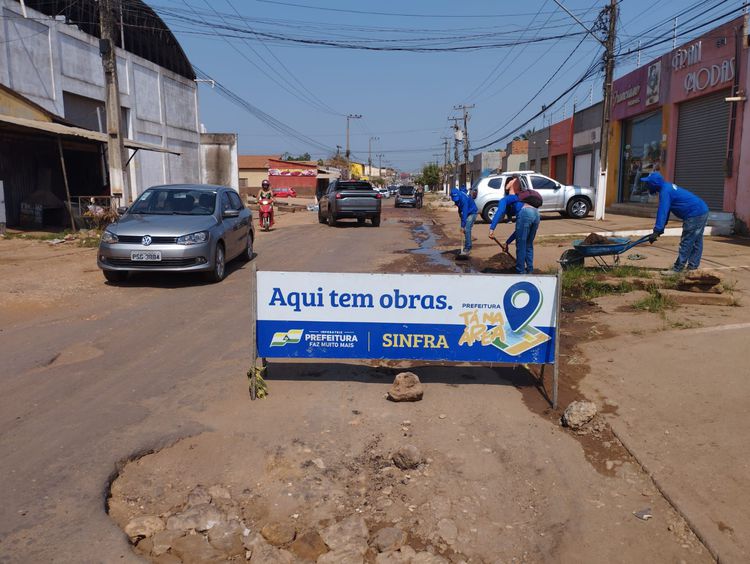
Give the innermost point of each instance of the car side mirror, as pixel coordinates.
(121, 210)
(231, 213)
(558, 186)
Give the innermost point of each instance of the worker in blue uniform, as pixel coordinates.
(690, 209)
(467, 211)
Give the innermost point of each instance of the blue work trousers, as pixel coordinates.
(691, 243)
(467, 236)
(527, 224)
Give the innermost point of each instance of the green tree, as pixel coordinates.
(302, 157)
(430, 175)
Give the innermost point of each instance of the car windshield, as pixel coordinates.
(353, 186)
(406, 190)
(170, 201)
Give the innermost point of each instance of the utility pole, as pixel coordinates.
(457, 135)
(369, 154)
(380, 163)
(465, 176)
(115, 142)
(348, 117)
(446, 145)
(609, 70)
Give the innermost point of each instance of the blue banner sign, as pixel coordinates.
(456, 318)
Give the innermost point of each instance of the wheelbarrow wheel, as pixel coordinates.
(571, 259)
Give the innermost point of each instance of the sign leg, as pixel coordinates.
(558, 335)
(253, 373)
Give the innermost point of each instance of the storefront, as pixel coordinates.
(637, 99)
(681, 115)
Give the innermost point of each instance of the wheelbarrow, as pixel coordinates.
(617, 246)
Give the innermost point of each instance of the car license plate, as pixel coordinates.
(145, 256)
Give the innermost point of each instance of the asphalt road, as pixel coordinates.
(102, 377)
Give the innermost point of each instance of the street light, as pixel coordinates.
(369, 154)
(348, 117)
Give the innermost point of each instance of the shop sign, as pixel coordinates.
(687, 56)
(709, 76)
(458, 318)
(631, 95)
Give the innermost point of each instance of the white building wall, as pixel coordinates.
(41, 58)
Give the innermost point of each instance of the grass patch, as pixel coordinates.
(587, 283)
(628, 271)
(38, 236)
(655, 302)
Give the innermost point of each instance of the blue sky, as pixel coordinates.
(405, 98)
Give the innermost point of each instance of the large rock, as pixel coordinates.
(264, 553)
(308, 546)
(227, 537)
(278, 534)
(578, 413)
(447, 530)
(388, 539)
(194, 549)
(406, 387)
(407, 457)
(163, 541)
(144, 526)
(351, 532)
(198, 496)
(198, 518)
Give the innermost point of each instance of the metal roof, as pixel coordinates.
(143, 32)
(70, 131)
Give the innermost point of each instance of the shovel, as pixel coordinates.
(504, 248)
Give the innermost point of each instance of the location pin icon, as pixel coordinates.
(520, 315)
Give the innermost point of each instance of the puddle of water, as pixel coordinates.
(425, 237)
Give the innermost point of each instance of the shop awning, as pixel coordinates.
(71, 131)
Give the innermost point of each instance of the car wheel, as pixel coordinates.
(247, 256)
(115, 276)
(220, 266)
(361, 220)
(376, 221)
(489, 211)
(578, 207)
(331, 219)
(321, 219)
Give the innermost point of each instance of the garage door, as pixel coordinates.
(582, 170)
(702, 147)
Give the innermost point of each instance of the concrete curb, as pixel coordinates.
(669, 232)
(712, 549)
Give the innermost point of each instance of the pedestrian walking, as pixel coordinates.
(690, 209)
(467, 211)
(527, 224)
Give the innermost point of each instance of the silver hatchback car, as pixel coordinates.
(180, 227)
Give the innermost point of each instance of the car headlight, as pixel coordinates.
(109, 237)
(193, 238)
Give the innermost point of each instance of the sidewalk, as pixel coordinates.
(675, 396)
(556, 234)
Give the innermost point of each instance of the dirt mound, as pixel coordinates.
(501, 262)
(596, 239)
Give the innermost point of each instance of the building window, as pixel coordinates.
(641, 155)
(243, 182)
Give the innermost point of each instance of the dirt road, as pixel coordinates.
(95, 374)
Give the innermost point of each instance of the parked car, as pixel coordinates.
(180, 227)
(574, 201)
(349, 199)
(284, 192)
(393, 189)
(406, 196)
(383, 191)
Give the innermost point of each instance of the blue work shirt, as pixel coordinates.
(465, 203)
(673, 199)
(510, 204)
